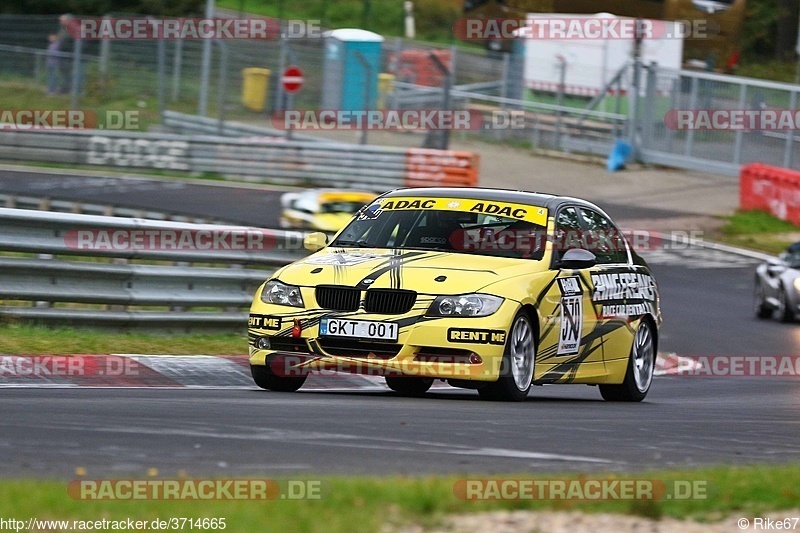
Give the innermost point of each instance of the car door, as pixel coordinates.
(571, 350)
(618, 287)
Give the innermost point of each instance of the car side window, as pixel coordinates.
(603, 239)
(568, 232)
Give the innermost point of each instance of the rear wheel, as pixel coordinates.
(641, 365)
(516, 372)
(409, 386)
(762, 310)
(266, 379)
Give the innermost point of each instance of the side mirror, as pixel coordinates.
(577, 258)
(776, 268)
(315, 241)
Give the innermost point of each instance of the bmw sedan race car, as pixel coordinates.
(777, 286)
(321, 209)
(486, 289)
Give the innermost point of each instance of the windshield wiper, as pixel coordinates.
(358, 244)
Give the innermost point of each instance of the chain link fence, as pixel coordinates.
(155, 76)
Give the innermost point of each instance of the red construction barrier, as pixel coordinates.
(445, 168)
(775, 190)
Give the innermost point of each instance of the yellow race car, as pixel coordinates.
(325, 210)
(487, 289)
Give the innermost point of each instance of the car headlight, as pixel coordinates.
(279, 293)
(465, 305)
(797, 284)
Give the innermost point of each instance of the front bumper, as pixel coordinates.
(448, 348)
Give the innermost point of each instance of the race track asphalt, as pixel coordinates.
(685, 421)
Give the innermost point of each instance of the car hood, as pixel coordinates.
(427, 272)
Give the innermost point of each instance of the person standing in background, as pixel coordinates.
(65, 44)
(53, 60)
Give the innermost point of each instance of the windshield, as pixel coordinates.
(450, 230)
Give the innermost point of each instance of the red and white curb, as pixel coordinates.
(190, 371)
(672, 364)
(164, 371)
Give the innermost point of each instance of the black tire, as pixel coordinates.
(632, 388)
(785, 312)
(520, 351)
(266, 379)
(406, 386)
(762, 310)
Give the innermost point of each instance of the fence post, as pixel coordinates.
(176, 69)
(648, 115)
(105, 54)
(787, 151)
(222, 84)
(562, 78)
(76, 74)
(161, 74)
(737, 143)
(205, 66)
(634, 136)
(687, 149)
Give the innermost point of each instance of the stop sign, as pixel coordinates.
(292, 79)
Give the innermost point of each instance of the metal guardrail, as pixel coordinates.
(187, 124)
(290, 162)
(47, 275)
(15, 201)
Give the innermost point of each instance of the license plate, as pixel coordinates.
(365, 329)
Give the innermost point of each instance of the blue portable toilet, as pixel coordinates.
(346, 77)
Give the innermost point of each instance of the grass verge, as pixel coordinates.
(368, 503)
(30, 340)
(759, 231)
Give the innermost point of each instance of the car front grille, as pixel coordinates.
(389, 301)
(379, 301)
(337, 297)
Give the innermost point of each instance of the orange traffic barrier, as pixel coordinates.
(775, 190)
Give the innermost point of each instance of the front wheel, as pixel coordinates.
(266, 379)
(762, 310)
(405, 386)
(641, 365)
(516, 372)
(785, 310)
